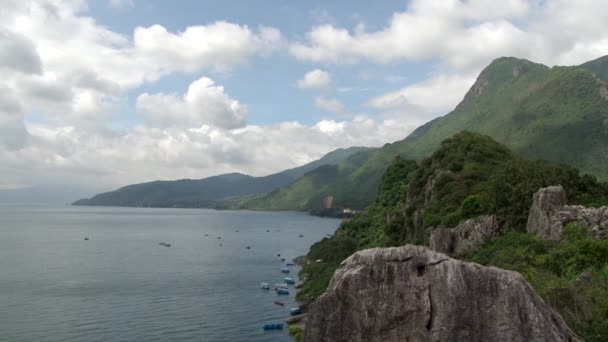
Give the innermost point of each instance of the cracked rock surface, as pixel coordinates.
(411, 293)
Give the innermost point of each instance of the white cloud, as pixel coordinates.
(203, 104)
(220, 45)
(66, 67)
(466, 35)
(330, 105)
(315, 79)
(434, 96)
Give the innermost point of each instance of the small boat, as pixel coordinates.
(86, 239)
(267, 230)
(282, 291)
(206, 234)
(264, 286)
(283, 259)
(237, 230)
(290, 264)
(280, 285)
(248, 247)
(289, 281)
(285, 270)
(219, 237)
(301, 235)
(278, 254)
(295, 311)
(273, 326)
(164, 244)
(279, 303)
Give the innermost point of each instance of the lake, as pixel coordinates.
(121, 285)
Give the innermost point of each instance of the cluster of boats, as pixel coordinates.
(281, 289)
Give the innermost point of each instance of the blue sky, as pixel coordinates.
(103, 93)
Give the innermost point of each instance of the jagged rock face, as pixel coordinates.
(550, 214)
(411, 293)
(465, 237)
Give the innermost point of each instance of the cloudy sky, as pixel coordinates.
(100, 94)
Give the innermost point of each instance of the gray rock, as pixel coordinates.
(545, 203)
(465, 237)
(550, 214)
(411, 293)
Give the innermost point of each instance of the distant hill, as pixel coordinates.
(208, 192)
(558, 114)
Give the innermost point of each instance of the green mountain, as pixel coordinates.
(208, 192)
(558, 114)
(599, 67)
(471, 175)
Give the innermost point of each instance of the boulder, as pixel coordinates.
(411, 293)
(550, 214)
(465, 237)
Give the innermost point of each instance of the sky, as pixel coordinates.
(101, 94)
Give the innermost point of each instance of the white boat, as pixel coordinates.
(264, 286)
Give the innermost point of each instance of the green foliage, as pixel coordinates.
(330, 252)
(296, 332)
(554, 270)
(576, 231)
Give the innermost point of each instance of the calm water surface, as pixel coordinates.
(121, 285)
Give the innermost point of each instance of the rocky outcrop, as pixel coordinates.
(411, 293)
(550, 214)
(465, 237)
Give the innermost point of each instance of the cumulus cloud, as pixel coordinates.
(219, 45)
(330, 105)
(66, 67)
(203, 104)
(468, 34)
(315, 79)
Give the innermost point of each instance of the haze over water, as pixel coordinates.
(121, 285)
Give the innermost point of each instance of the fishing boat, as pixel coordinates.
(289, 281)
(264, 286)
(273, 326)
(282, 291)
(285, 270)
(279, 303)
